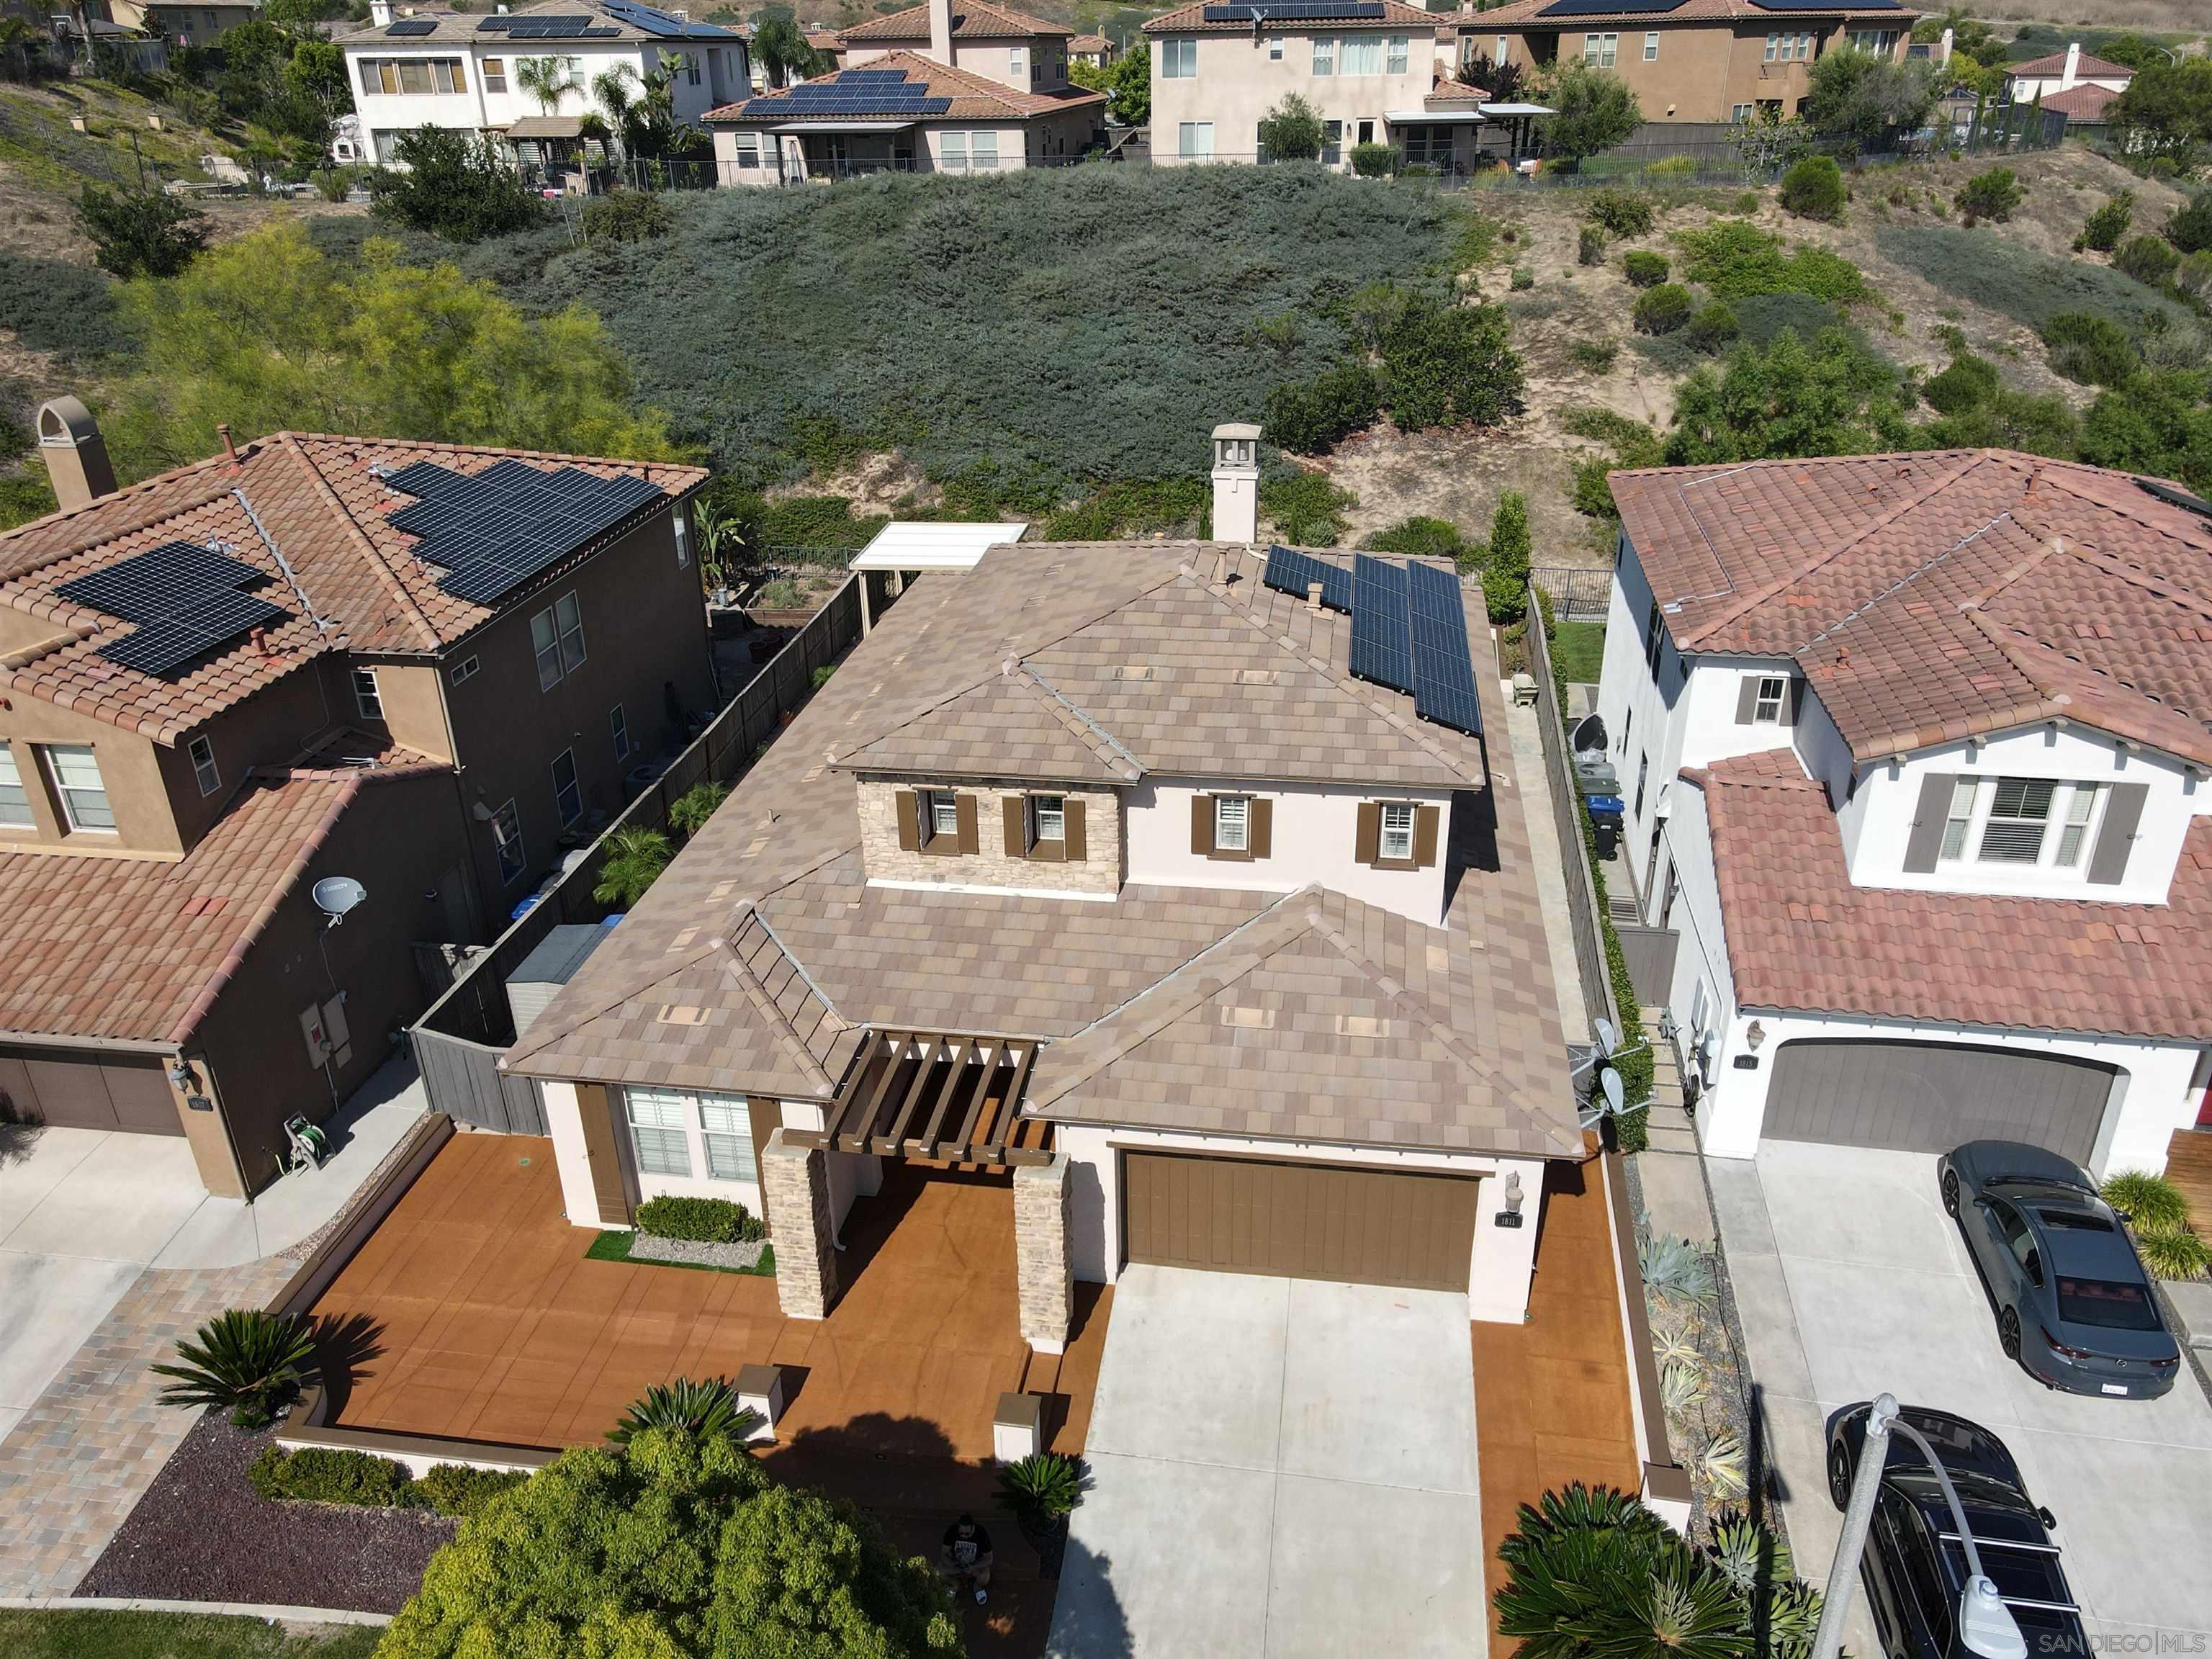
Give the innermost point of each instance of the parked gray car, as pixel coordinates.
(2074, 1305)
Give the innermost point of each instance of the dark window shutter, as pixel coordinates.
(1367, 848)
(1426, 821)
(1077, 849)
(910, 821)
(1201, 826)
(1747, 699)
(1263, 825)
(1791, 699)
(964, 807)
(2116, 839)
(1926, 839)
(1014, 812)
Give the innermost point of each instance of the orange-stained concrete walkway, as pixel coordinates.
(1552, 1396)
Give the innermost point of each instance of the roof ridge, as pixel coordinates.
(1065, 709)
(135, 526)
(1398, 993)
(541, 1034)
(763, 1004)
(385, 576)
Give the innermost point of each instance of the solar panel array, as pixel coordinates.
(414, 25)
(2172, 497)
(186, 599)
(1443, 663)
(1289, 571)
(1600, 8)
(1381, 642)
(1826, 5)
(562, 26)
(1408, 628)
(1279, 11)
(857, 92)
(653, 21)
(494, 529)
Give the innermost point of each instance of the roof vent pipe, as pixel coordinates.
(229, 449)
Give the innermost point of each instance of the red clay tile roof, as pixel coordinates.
(1525, 14)
(1090, 43)
(1191, 19)
(2085, 102)
(1934, 597)
(2044, 68)
(1801, 937)
(138, 949)
(310, 496)
(974, 98)
(972, 19)
(1448, 91)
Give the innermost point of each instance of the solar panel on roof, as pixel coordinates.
(494, 529)
(186, 600)
(1443, 662)
(414, 25)
(1826, 5)
(1285, 10)
(1289, 571)
(2172, 497)
(1599, 8)
(1381, 645)
(494, 25)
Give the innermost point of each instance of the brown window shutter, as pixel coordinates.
(1262, 839)
(1201, 826)
(1014, 813)
(963, 807)
(2116, 837)
(597, 1106)
(1078, 850)
(910, 821)
(1791, 699)
(1926, 838)
(1426, 821)
(1367, 845)
(1747, 699)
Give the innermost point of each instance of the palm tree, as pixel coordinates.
(546, 79)
(248, 1359)
(689, 813)
(635, 858)
(704, 1410)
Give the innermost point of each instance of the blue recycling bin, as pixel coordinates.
(1605, 812)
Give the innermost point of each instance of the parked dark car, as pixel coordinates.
(2074, 1305)
(1914, 1569)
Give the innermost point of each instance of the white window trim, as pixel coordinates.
(64, 793)
(1651, 46)
(732, 1110)
(570, 628)
(14, 780)
(205, 773)
(651, 1110)
(1232, 824)
(926, 814)
(368, 695)
(502, 843)
(1766, 710)
(1048, 823)
(1395, 843)
(1972, 827)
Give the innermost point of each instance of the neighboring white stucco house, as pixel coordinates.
(2063, 71)
(1915, 758)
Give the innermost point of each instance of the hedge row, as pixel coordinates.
(319, 1474)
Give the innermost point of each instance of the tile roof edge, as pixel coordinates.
(385, 576)
(764, 1006)
(2020, 651)
(501, 450)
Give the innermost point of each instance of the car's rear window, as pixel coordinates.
(2105, 1302)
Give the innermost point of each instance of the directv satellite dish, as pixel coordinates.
(1608, 1038)
(1588, 736)
(336, 895)
(1609, 1080)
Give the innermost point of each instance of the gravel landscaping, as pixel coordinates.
(644, 1246)
(202, 1533)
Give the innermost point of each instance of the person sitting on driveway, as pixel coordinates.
(966, 1553)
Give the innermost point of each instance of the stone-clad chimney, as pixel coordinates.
(75, 453)
(941, 31)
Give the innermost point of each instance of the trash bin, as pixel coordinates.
(1605, 812)
(1596, 777)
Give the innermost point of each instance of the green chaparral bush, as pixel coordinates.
(1814, 188)
(627, 216)
(1735, 258)
(2103, 229)
(1644, 268)
(1523, 278)
(456, 1489)
(1424, 538)
(1595, 356)
(2092, 349)
(1589, 248)
(1663, 309)
(53, 305)
(1991, 195)
(1714, 328)
(1449, 365)
(2149, 259)
(1309, 417)
(1620, 213)
(1306, 508)
(1760, 317)
(2016, 282)
(701, 1220)
(817, 521)
(1965, 383)
(1827, 396)
(2191, 229)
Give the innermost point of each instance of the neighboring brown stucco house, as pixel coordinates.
(225, 683)
(1703, 60)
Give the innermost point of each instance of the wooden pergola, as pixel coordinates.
(935, 1097)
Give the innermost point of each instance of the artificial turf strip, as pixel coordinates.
(614, 1246)
(27, 1634)
(1579, 652)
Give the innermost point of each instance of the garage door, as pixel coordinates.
(73, 1091)
(1932, 1096)
(1300, 1220)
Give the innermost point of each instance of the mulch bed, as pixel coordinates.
(203, 1533)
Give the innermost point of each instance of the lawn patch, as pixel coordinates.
(1579, 652)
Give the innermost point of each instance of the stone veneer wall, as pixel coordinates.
(1100, 872)
(1044, 1265)
(795, 1192)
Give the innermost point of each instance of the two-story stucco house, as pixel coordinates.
(1105, 863)
(414, 666)
(1916, 750)
(464, 70)
(2077, 85)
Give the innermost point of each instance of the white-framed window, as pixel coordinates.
(368, 696)
(15, 799)
(569, 614)
(1275, 50)
(1047, 817)
(545, 642)
(727, 1130)
(1767, 700)
(1324, 54)
(1359, 54)
(941, 813)
(416, 77)
(1396, 842)
(748, 149)
(1178, 60)
(1774, 47)
(494, 74)
(1651, 46)
(1599, 51)
(567, 794)
(658, 1120)
(1194, 139)
(1013, 60)
(2018, 818)
(205, 773)
(556, 636)
(463, 671)
(680, 521)
(2009, 821)
(953, 152)
(1232, 824)
(74, 770)
(619, 724)
(983, 151)
(1395, 63)
(2074, 835)
(507, 839)
(1740, 113)
(1881, 42)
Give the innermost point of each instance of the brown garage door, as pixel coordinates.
(78, 1090)
(1932, 1096)
(1301, 1220)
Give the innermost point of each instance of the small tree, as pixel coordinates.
(1445, 365)
(1663, 309)
(1595, 110)
(1813, 189)
(545, 81)
(781, 45)
(1768, 142)
(2191, 229)
(2103, 229)
(635, 858)
(1505, 578)
(138, 233)
(453, 184)
(1991, 195)
(1291, 131)
(1865, 97)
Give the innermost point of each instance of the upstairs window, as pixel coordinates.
(1396, 62)
(15, 799)
(2019, 817)
(1651, 47)
(494, 74)
(618, 723)
(1048, 818)
(556, 636)
(940, 815)
(2043, 822)
(1599, 51)
(1179, 60)
(205, 773)
(1397, 841)
(1767, 705)
(1360, 54)
(1324, 54)
(74, 770)
(368, 696)
(1654, 636)
(1232, 822)
(2076, 834)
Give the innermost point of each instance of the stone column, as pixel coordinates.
(795, 1191)
(1044, 1269)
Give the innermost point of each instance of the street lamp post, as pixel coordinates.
(1985, 1624)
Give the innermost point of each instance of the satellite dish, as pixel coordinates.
(336, 895)
(1588, 736)
(1608, 1038)
(1609, 1080)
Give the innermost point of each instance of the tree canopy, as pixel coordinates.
(2167, 109)
(781, 45)
(453, 184)
(1865, 96)
(138, 233)
(1597, 110)
(1126, 82)
(1829, 396)
(1291, 131)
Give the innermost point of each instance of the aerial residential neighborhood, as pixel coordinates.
(1265, 830)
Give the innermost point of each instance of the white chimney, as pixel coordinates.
(1943, 53)
(380, 13)
(1235, 482)
(2073, 70)
(941, 31)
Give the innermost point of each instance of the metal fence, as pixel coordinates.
(457, 1043)
(1577, 595)
(1567, 818)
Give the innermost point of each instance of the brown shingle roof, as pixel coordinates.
(314, 499)
(2042, 67)
(974, 98)
(1802, 937)
(136, 948)
(1486, 1066)
(972, 19)
(1090, 43)
(1937, 596)
(1192, 20)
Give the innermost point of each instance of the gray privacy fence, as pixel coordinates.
(457, 1042)
(1649, 953)
(1566, 814)
(1577, 595)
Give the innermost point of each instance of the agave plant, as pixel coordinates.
(2178, 1253)
(2151, 1203)
(704, 1410)
(1043, 1484)
(1747, 1555)
(1723, 1464)
(1681, 1389)
(1676, 1269)
(1676, 1344)
(248, 1359)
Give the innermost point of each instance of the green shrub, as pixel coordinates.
(1676, 1269)
(700, 1221)
(2090, 348)
(635, 856)
(1307, 509)
(1813, 188)
(2148, 259)
(1523, 278)
(1449, 365)
(1967, 382)
(1132, 506)
(689, 812)
(2191, 229)
(1714, 328)
(141, 234)
(1594, 355)
(1761, 318)
(1991, 195)
(2103, 229)
(1291, 131)
(322, 1474)
(1309, 417)
(1377, 161)
(1619, 213)
(1645, 269)
(826, 522)
(248, 1360)
(1506, 576)
(453, 185)
(1421, 537)
(2151, 1203)
(2178, 1253)
(53, 305)
(1736, 259)
(1746, 202)
(821, 676)
(627, 216)
(458, 1490)
(1663, 309)
(2194, 277)
(1590, 249)
(1042, 1486)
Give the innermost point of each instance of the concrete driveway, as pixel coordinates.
(1852, 1280)
(1281, 1467)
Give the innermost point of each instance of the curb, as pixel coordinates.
(237, 1609)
